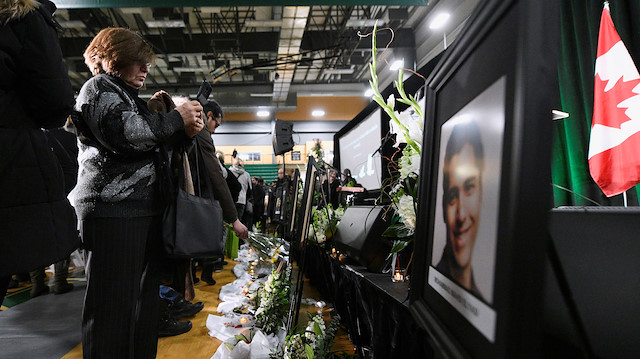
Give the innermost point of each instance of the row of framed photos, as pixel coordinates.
(484, 198)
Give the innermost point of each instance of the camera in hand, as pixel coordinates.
(203, 92)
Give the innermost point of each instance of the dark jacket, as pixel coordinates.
(212, 170)
(38, 226)
(118, 137)
(65, 147)
(258, 202)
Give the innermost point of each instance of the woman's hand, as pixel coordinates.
(191, 112)
(240, 229)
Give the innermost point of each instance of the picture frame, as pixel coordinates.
(294, 204)
(299, 243)
(484, 191)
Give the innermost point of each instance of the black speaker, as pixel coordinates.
(282, 137)
(359, 235)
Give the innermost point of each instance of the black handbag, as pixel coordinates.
(191, 224)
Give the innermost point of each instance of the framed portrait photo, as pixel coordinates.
(485, 184)
(299, 243)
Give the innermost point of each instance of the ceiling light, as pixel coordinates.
(189, 69)
(262, 113)
(317, 113)
(369, 93)
(439, 21)
(255, 94)
(165, 23)
(339, 71)
(263, 23)
(317, 94)
(131, 10)
(397, 65)
(210, 9)
(72, 24)
(364, 22)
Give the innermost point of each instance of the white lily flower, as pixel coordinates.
(407, 212)
(395, 129)
(391, 101)
(413, 123)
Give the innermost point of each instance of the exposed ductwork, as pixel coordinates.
(294, 21)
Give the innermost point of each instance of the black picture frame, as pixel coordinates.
(293, 212)
(300, 242)
(502, 65)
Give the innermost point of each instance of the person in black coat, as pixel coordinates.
(63, 144)
(258, 200)
(38, 223)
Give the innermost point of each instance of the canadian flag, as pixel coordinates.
(614, 146)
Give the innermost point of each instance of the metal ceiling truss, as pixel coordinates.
(241, 46)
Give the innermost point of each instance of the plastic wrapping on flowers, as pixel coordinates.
(270, 249)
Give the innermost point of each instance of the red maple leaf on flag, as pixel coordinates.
(614, 146)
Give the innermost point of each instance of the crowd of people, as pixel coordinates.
(100, 184)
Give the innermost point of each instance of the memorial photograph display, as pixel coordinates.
(297, 280)
(484, 186)
(464, 235)
(293, 206)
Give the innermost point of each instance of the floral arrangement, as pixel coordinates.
(325, 223)
(408, 126)
(314, 342)
(274, 301)
(316, 151)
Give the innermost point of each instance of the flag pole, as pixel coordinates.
(624, 198)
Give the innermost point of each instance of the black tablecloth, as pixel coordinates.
(374, 309)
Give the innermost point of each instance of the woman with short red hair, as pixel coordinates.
(117, 198)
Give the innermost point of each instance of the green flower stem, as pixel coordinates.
(377, 97)
(410, 100)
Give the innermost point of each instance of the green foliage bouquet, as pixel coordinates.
(274, 301)
(314, 342)
(325, 223)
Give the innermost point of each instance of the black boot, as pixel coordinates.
(207, 275)
(61, 285)
(207, 271)
(39, 287)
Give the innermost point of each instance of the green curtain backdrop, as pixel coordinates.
(580, 21)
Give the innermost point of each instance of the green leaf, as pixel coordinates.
(241, 338)
(316, 329)
(404, 101)
(309, 351)
(398, 246)
(399, 231)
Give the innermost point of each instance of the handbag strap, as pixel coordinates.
(205, 178)
(188, 179)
